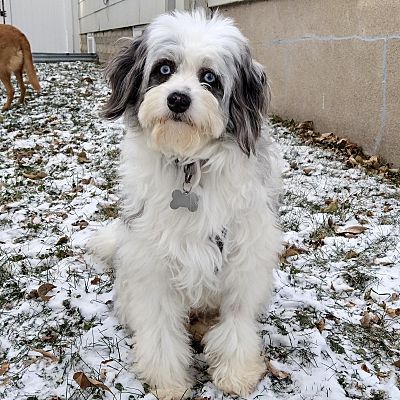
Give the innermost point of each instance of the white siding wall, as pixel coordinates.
(50, 25)
(99, 15)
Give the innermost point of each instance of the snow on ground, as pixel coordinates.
(331, 332)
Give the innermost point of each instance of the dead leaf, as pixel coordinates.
(387, 208)
(81, 223)
(62, 240)
(95, 281)
(276, 372)
(369, 319)
(350, 254)
(5, 382)
(320, 325)
(44, 289)
(308, 171)
(33, 294)
(383, 374)
(333, 206)
(47, 354)
(292, 251)
(4, 367)
(35, 175)
(306, 125)
(82, 157)
(351, 230)
(365, 368)
(85, 382)
(397, 363)
(394, 297)
(393, 312)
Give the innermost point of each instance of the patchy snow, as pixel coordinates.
(332, 329)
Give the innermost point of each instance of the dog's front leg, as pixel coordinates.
(153, 309)
(232, 347)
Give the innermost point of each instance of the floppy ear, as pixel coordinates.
(124, 74)
(248, 104)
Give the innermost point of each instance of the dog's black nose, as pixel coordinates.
(178, 102)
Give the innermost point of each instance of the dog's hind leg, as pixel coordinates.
(22, 87)
(5, 77)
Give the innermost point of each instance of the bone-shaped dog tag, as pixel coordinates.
(184, 199)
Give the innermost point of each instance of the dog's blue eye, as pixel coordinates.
(209, 77)
(165, 70)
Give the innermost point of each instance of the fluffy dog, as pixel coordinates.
(15, 57)
(199, 186)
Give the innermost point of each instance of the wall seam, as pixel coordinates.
(379, 138)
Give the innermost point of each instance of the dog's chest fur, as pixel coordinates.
(189, 240)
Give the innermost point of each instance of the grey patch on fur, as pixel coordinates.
(248, 104)
(124, 74)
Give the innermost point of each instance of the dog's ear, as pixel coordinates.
(248, 104)
(124, 74)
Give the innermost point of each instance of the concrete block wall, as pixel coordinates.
(334, 62)
(107, 42)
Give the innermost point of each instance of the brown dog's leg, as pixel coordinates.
(5, 77)
(21, 84)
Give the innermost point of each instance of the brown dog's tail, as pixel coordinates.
(28, 65)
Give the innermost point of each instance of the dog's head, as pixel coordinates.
(187, 81)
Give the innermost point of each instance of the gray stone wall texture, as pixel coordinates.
(334, 62)
(107, 42)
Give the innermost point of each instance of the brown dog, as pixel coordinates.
(15, 56)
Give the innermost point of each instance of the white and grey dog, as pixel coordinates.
(200, 180)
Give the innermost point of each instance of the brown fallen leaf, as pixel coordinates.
(85, 382)
(369, 319)
(4, 367)
(320, 325)
(350, 254)
(62, 240)
(47, 354)
(351, 230)
(306, 125)
(95, 281)
(325, 136)
(82, 224)
(393, 312)
(276, 372)
(35, 175)
(387, 208)
(82, 158)
(5, 382)
(397, 363)
(44, 289)
(292, 251)
(333, 206)
(394, 296)
(308, 171)
(365, 368)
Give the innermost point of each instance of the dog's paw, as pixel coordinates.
(176, 393)
(240, 381)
